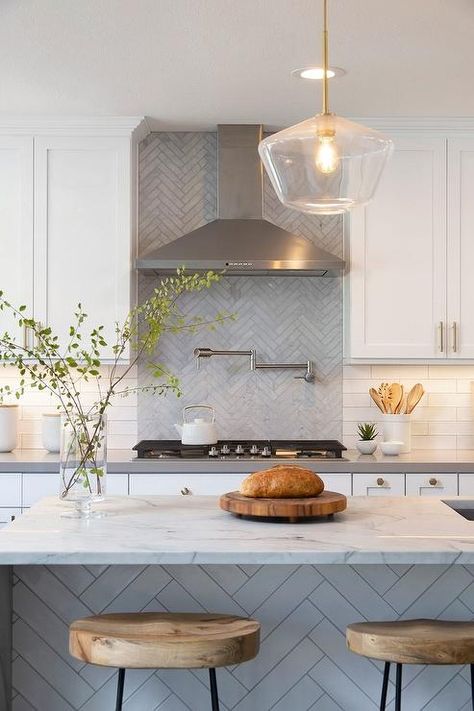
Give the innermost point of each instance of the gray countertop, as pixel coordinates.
(124, 461)
(184, 530)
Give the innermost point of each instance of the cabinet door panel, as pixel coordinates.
(397, 280)
(342, 483)
(466, 484)
(16, 227)
(185, 484)
(10, 490)
(378, 484)
(431, 484)
(36, 485)
(460, 247)
(82, 231)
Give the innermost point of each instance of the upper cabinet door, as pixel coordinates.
(82, 231)
(461, 247)
(397, 280)
(16, 227)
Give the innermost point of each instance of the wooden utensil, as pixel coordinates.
(402, 408)
(414, 397)
(290, 510)
(396, 396)
(377, 399)
(384, 392)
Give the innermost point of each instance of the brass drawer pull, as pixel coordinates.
(441, 337)
(433, 481)
(185, 491)
(380, 481)
(455, 337)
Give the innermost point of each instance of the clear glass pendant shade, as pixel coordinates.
(326, 164)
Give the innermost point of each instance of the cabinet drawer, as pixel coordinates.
(378, 484)
(341, 483)
(10, 490)
(200, 484)
(37, 485)
(117, 485)
(6, 515)
(466, 484)
(431, 484)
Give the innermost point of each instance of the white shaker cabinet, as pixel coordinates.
(82, 231)
(460, 321)
(16, 226)
(397, 256)
(431, 484)
(378, 484)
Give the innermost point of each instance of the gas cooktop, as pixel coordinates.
(241, 449)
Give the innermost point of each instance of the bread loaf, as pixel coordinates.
(282, 482)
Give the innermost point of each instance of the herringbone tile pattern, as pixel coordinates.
(303, 663)
(285, 319)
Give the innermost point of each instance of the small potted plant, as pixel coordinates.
(367, 434)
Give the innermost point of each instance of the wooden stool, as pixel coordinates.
(413, 642)
(149, 640)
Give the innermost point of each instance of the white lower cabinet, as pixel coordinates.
(36, 485)
(10, 490)
(466, 484)
(378, 484)
(117, 484)
(431, 485)
(8, 514)
(342, 483)
(185, 484)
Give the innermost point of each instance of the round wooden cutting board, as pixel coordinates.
(292, 510)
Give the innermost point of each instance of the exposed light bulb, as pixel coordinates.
(327, 157)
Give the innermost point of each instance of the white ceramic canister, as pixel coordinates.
(8, 427)
(51, 431)
(397, 428)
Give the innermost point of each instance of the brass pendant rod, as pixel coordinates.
(325, 60)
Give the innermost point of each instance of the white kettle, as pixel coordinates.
(199, 430)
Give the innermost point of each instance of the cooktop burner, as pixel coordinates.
(241, 449)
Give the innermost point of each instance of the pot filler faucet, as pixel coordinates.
(255, 365)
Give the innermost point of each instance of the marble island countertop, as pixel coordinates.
(124, 461)
(183, 530)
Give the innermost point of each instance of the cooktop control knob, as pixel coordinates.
(213, 452)
(266, 452)
(239, 449)
(225, 449)
(254, 449)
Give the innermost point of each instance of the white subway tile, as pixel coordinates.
(360, 414)
(414, 372)
(357, 386)
(465, 441)
(465, 413)
(356, 400)
(121, 441)
(434, 442)
(122, 427)
(464, 386)
(444, 428)
(385, 373)
(420, 428)
(449, 399)
(451, 371)
(439, 414)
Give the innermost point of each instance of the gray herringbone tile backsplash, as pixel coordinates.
(284, 318)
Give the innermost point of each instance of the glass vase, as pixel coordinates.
(83, 463)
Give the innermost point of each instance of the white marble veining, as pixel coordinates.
(173, 529)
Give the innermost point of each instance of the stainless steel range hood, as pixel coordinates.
(241, 241)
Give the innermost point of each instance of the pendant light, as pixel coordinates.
(326, 164)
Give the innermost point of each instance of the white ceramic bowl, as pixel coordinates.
(391, 448)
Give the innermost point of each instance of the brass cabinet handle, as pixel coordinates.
(380, 481)
(25, 336)
(185, 491)
(433, 481)
(441, 336)
(455, 337)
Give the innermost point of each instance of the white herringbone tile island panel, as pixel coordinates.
(285, 319)
(444, 419)
(303, 663)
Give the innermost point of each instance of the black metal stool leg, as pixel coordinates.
(472, 685)
(120, 683)
(398, 689)
(213, 684)
(383, 698)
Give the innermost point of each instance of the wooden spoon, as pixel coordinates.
(402, 408)
(414, 397)
(384, 392)
(377, 399)
(396, 396)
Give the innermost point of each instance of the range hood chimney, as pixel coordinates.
(241, 241)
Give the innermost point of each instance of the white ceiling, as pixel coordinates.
(195, 63)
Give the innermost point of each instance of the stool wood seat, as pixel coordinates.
(413, 642)
(149, 640)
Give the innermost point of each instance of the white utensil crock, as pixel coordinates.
(8, 427)
(51, 431)
(397, 428)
